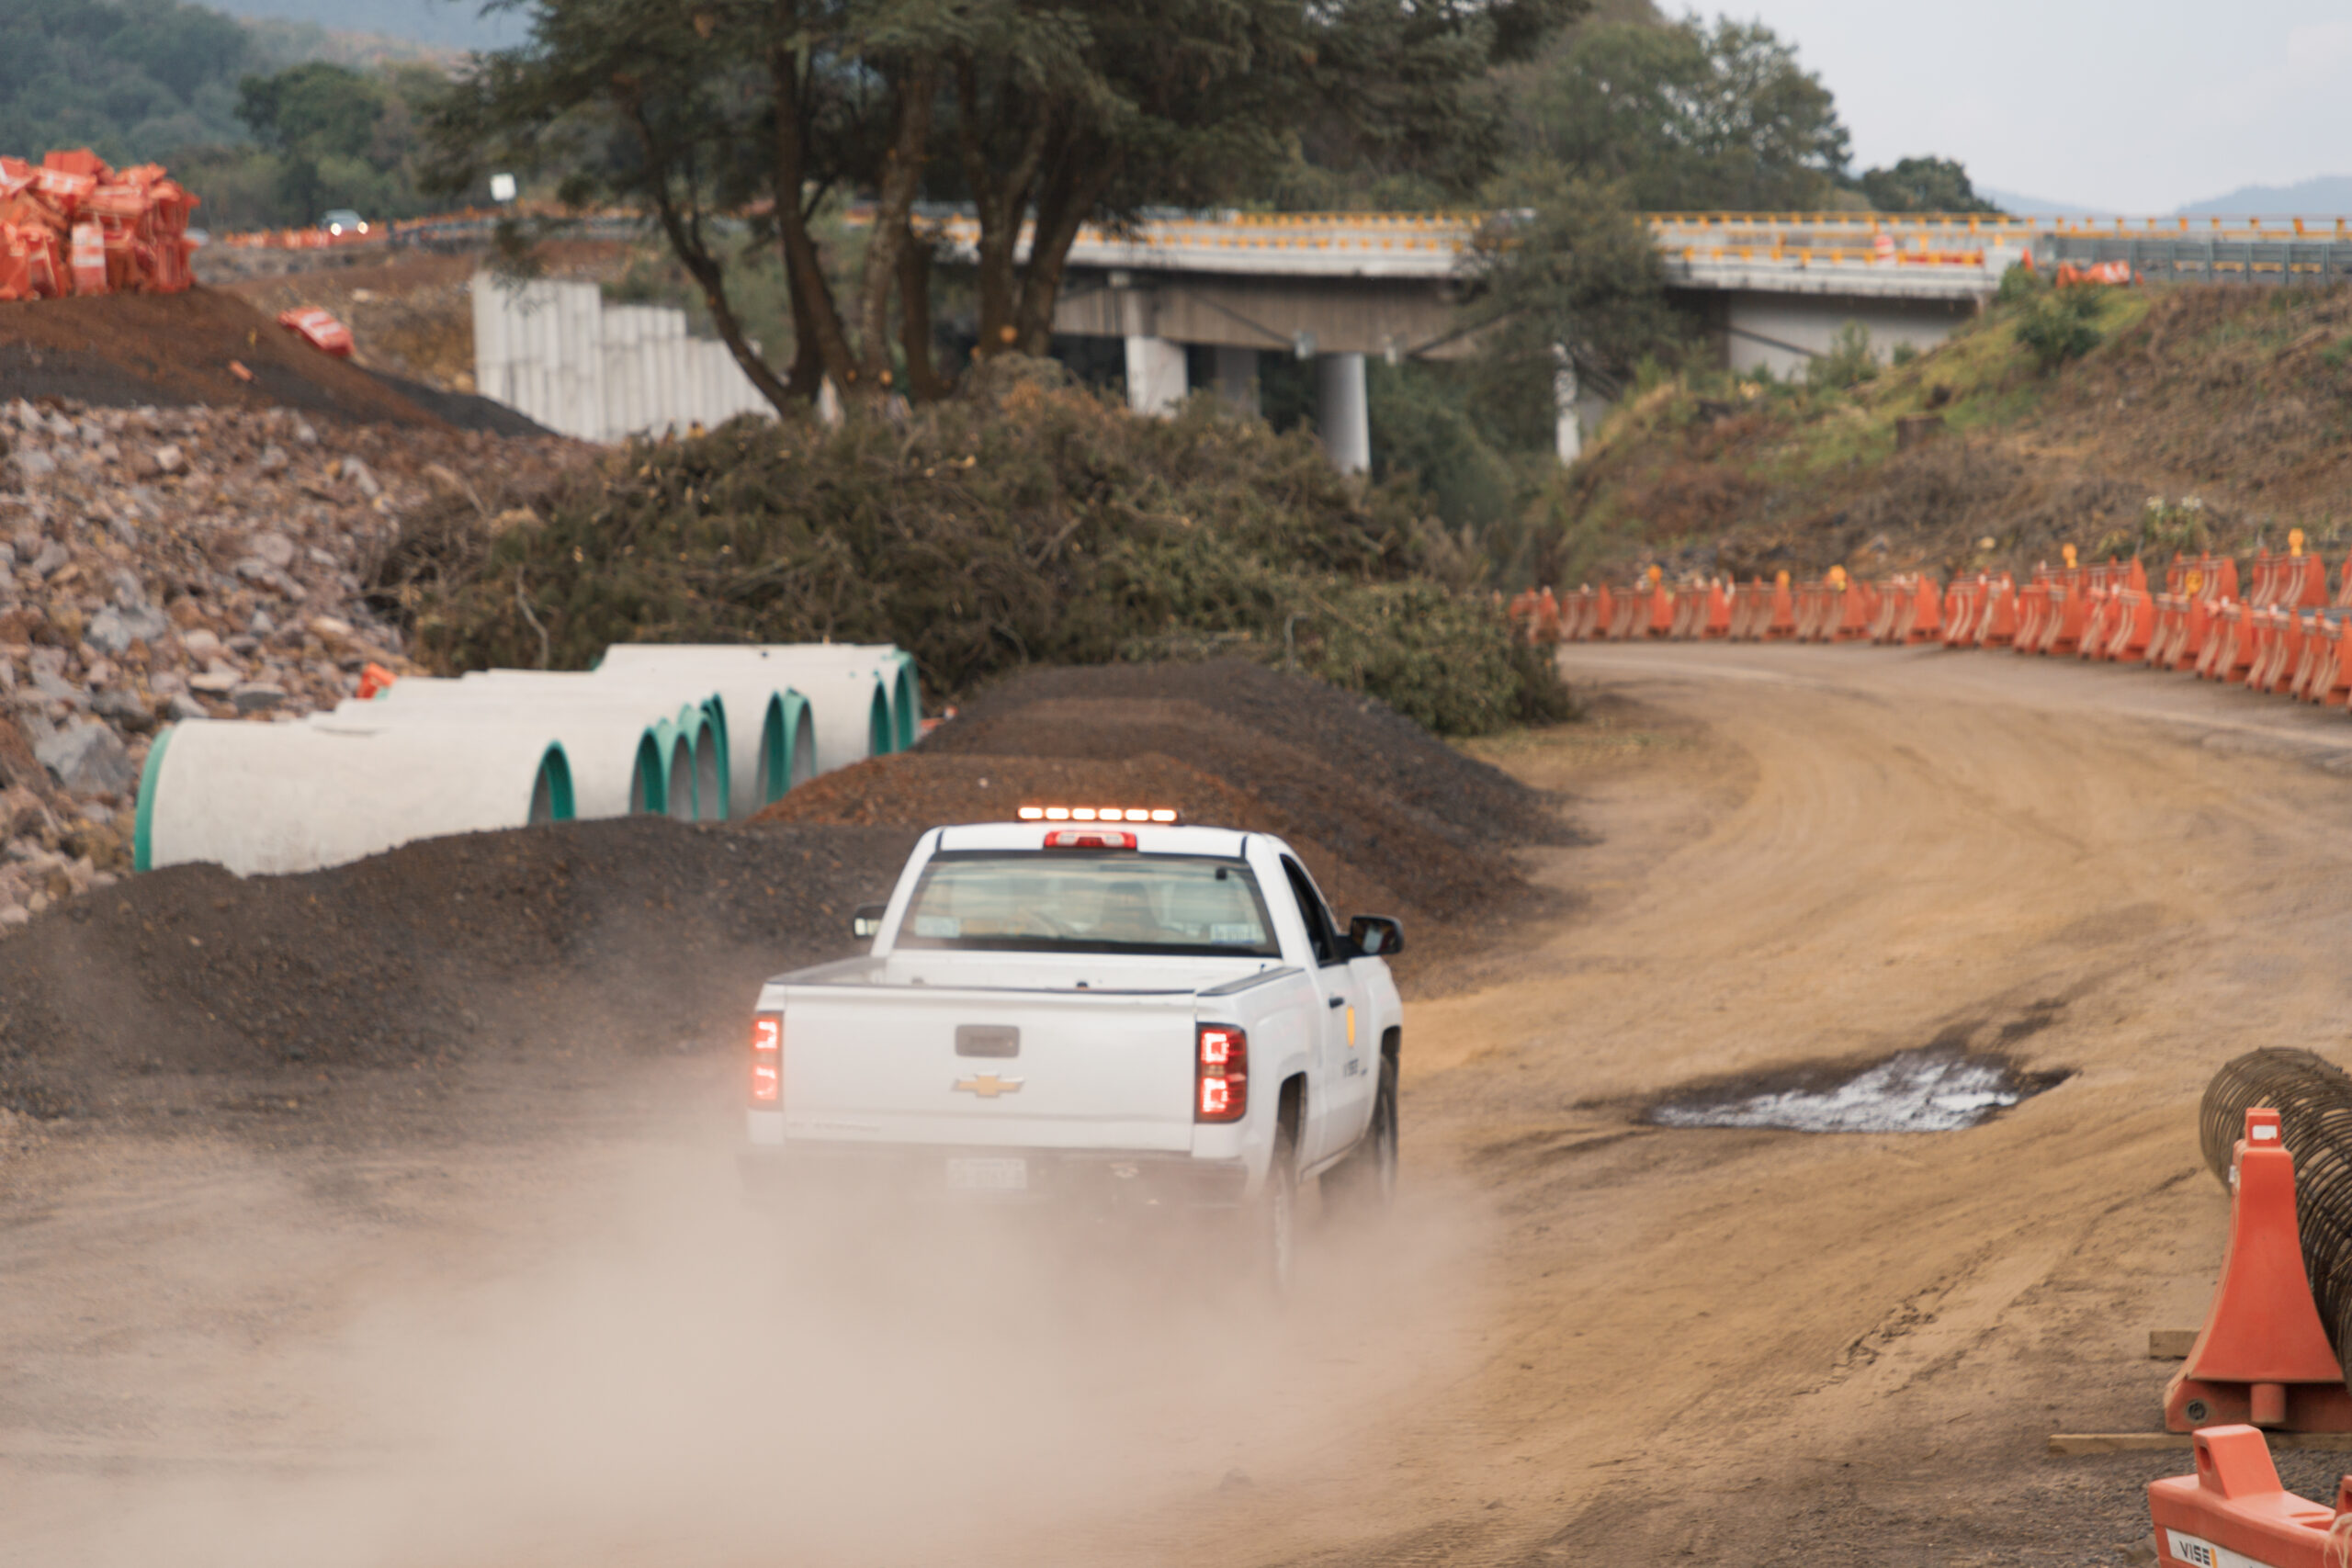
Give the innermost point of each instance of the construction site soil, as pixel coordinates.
(494, 1299)
(171, 350)
(162, 995)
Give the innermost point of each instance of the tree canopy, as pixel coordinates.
(1683, 116)
(1923, 184)
(1044, 117)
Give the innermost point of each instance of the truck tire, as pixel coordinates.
(1269, 1223)
(1365, 1183)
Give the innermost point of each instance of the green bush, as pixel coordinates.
(2060, 325)
(1027, 521)
(1849, 362)
(2019, 284)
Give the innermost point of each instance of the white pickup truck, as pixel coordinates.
(1103, 1014)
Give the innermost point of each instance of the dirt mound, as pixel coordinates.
(919, 790)
(125, 350)
(634, 934)
(1386, 816)
(1357, 738)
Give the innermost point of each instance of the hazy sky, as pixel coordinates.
(2130, 107)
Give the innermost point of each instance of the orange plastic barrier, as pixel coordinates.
(1537, 616)
(2188, 610)
(2261, 1356)
(2234, 1512)
(2108, 272)
(1998, 624)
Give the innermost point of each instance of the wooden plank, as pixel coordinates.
(2154, 1442)
(2170, 1343)
(2115, 1442)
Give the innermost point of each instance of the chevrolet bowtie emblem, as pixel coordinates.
(988, 1086)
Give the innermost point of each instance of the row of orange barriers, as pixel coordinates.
(2277, 628)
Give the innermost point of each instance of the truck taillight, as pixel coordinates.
(767, 1058)
(1221, 1077)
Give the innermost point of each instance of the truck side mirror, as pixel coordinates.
(865, 924)
(1376, 936)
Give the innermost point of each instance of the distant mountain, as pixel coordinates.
(2329, 194)
(438, 24)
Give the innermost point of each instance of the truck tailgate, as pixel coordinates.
(1083, 1070)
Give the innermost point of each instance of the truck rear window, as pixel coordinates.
(1074, 901)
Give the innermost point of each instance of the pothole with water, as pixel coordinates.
(1931, 1089)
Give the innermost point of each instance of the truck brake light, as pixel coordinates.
(1221, 1078)
(767, 1058)
(1089, 838)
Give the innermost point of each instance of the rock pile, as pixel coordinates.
(161, 564)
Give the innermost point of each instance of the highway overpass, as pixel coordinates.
(1338, 286)
(1774, 288)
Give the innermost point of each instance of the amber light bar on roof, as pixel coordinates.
(1097, 814)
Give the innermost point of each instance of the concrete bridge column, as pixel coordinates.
(1236, 379)
(1567, 429)
(1340, 412)
(1156, 383)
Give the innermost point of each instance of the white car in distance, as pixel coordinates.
(1101, 1009)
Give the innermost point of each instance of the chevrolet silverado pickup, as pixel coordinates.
(1108, 1014)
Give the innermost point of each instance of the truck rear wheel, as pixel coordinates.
(1270, 1224)
(1365, 1182)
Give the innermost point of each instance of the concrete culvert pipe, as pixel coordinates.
(694, 770)
(585, 713)
(606, 748)
(741, 694)
(787, 754)
(274, 798)
(838, 682)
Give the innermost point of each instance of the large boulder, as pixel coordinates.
(114, 628)
(86, 759)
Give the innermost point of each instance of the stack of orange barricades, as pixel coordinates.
(1857, 608)
(1689, 619)
(1996, 624)
(2064, 612)
(2195, 590)
(2130, 617)
(1761, 611)
(1599, 611)
(2033, 609)
(2324, 671)
(1537, 616)
(73, 225)
(2103, 587)
(1625, 620)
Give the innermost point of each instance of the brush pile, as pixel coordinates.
(1027, 523)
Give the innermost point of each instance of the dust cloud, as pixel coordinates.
(623, 1363)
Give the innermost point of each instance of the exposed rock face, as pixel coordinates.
(165, 564)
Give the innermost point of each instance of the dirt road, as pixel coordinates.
(539, 1330)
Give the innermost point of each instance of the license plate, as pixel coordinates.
(988, 1176)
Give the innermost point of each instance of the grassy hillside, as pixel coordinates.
(2239, 398)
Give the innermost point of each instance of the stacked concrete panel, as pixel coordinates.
(557, 352)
